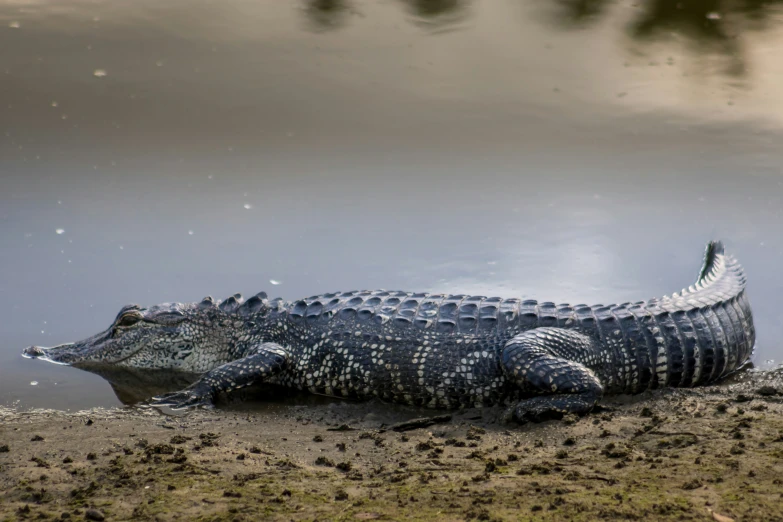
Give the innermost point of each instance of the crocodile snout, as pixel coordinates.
(33, 352)
(60, 354)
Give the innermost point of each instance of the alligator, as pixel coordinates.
(538, 359)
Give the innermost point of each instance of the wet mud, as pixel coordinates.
(702, 454)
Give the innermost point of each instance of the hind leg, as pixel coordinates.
(543, 361)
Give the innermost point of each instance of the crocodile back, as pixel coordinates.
(387, 343)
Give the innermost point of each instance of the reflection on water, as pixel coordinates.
(137, 385)
(447, 146)
(706, 20)
(431, 14)
(326, 15)
(437, 14)
(704, 26)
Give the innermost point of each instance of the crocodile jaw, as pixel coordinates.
(97, 349)
(43, 353)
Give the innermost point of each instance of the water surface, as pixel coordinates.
(565, 151)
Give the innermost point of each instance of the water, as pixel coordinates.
(566, 151)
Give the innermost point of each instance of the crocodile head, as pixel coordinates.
(190, 337)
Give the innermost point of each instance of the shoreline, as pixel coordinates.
(712, 453)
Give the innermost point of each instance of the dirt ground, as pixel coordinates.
(703, 454)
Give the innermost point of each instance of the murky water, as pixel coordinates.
(577, 151)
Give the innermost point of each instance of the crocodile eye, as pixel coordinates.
(128, 320)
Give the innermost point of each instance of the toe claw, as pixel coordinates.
(181, 400)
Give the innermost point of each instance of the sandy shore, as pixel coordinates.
(705, 454)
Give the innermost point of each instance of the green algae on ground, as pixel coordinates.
(668, 455)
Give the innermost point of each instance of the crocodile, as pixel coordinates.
(538, 359)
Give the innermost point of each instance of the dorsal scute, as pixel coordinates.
(254, 304)
(231, 304)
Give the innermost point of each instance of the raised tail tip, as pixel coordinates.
(714, 249)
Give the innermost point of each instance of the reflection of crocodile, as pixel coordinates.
(134, 385)
(436, 350)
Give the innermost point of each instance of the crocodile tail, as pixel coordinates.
(711, 321)
(721, 284)
(714, 249)
(720, 272)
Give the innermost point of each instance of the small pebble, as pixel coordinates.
(94, 514)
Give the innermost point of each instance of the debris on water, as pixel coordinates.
(14, 25)
(33, 383)
(713, 16)
(275, 282)
(248, 206)
(190, 232)
(159, 63)
(60, 231)
(99, 73)
(55, 104)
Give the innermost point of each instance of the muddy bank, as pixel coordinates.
(706, 454)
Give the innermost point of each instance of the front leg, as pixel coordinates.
(549, 362)
(264, 361)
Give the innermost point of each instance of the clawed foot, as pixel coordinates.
(184, 399)
(539, 409)
(523, 413)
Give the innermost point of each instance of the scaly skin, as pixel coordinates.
(438, 351)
